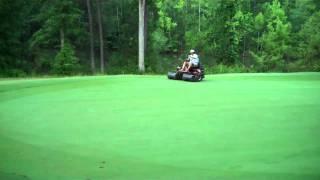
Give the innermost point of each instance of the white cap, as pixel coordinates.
(192, 51)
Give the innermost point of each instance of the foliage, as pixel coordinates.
(238, 35)
(159, 41)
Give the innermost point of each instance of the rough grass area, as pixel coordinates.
(233, 126)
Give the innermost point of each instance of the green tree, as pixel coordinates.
(310, 42)
(14, 35)
(59, 23)
(300, 13)
(275, 40)
(60, 19)
(222, 32)
(241, 26)
(66, 63)
(259, 24)
(163, 35)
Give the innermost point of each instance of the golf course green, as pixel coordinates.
(232, 126)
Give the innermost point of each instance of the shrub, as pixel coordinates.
(302, 65)
(221, 68)
(13, 73)
(316, 67)
(120, 63)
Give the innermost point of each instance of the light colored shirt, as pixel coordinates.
(194, 59)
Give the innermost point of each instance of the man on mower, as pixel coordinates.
(191, 62)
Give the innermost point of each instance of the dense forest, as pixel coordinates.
(39, 37)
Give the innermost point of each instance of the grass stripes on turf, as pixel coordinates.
(238, 126)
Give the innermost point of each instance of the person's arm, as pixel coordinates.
(189, 57)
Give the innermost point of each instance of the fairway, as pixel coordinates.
(232, 126)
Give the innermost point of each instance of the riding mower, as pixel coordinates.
(195, 74)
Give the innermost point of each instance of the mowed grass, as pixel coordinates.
(236, 126)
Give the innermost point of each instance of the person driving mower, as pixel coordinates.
(191, 70)
(191, 62)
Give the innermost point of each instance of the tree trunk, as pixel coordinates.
(243, 50)
(100, 36)
(146, 28)
(91, 37)
(261, 44)
(258, 42)
(142, 5)
(199, 16)
(61, 37)
(118, 21)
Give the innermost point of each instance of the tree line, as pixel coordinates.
(129, 36)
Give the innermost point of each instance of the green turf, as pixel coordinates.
(237, 126)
